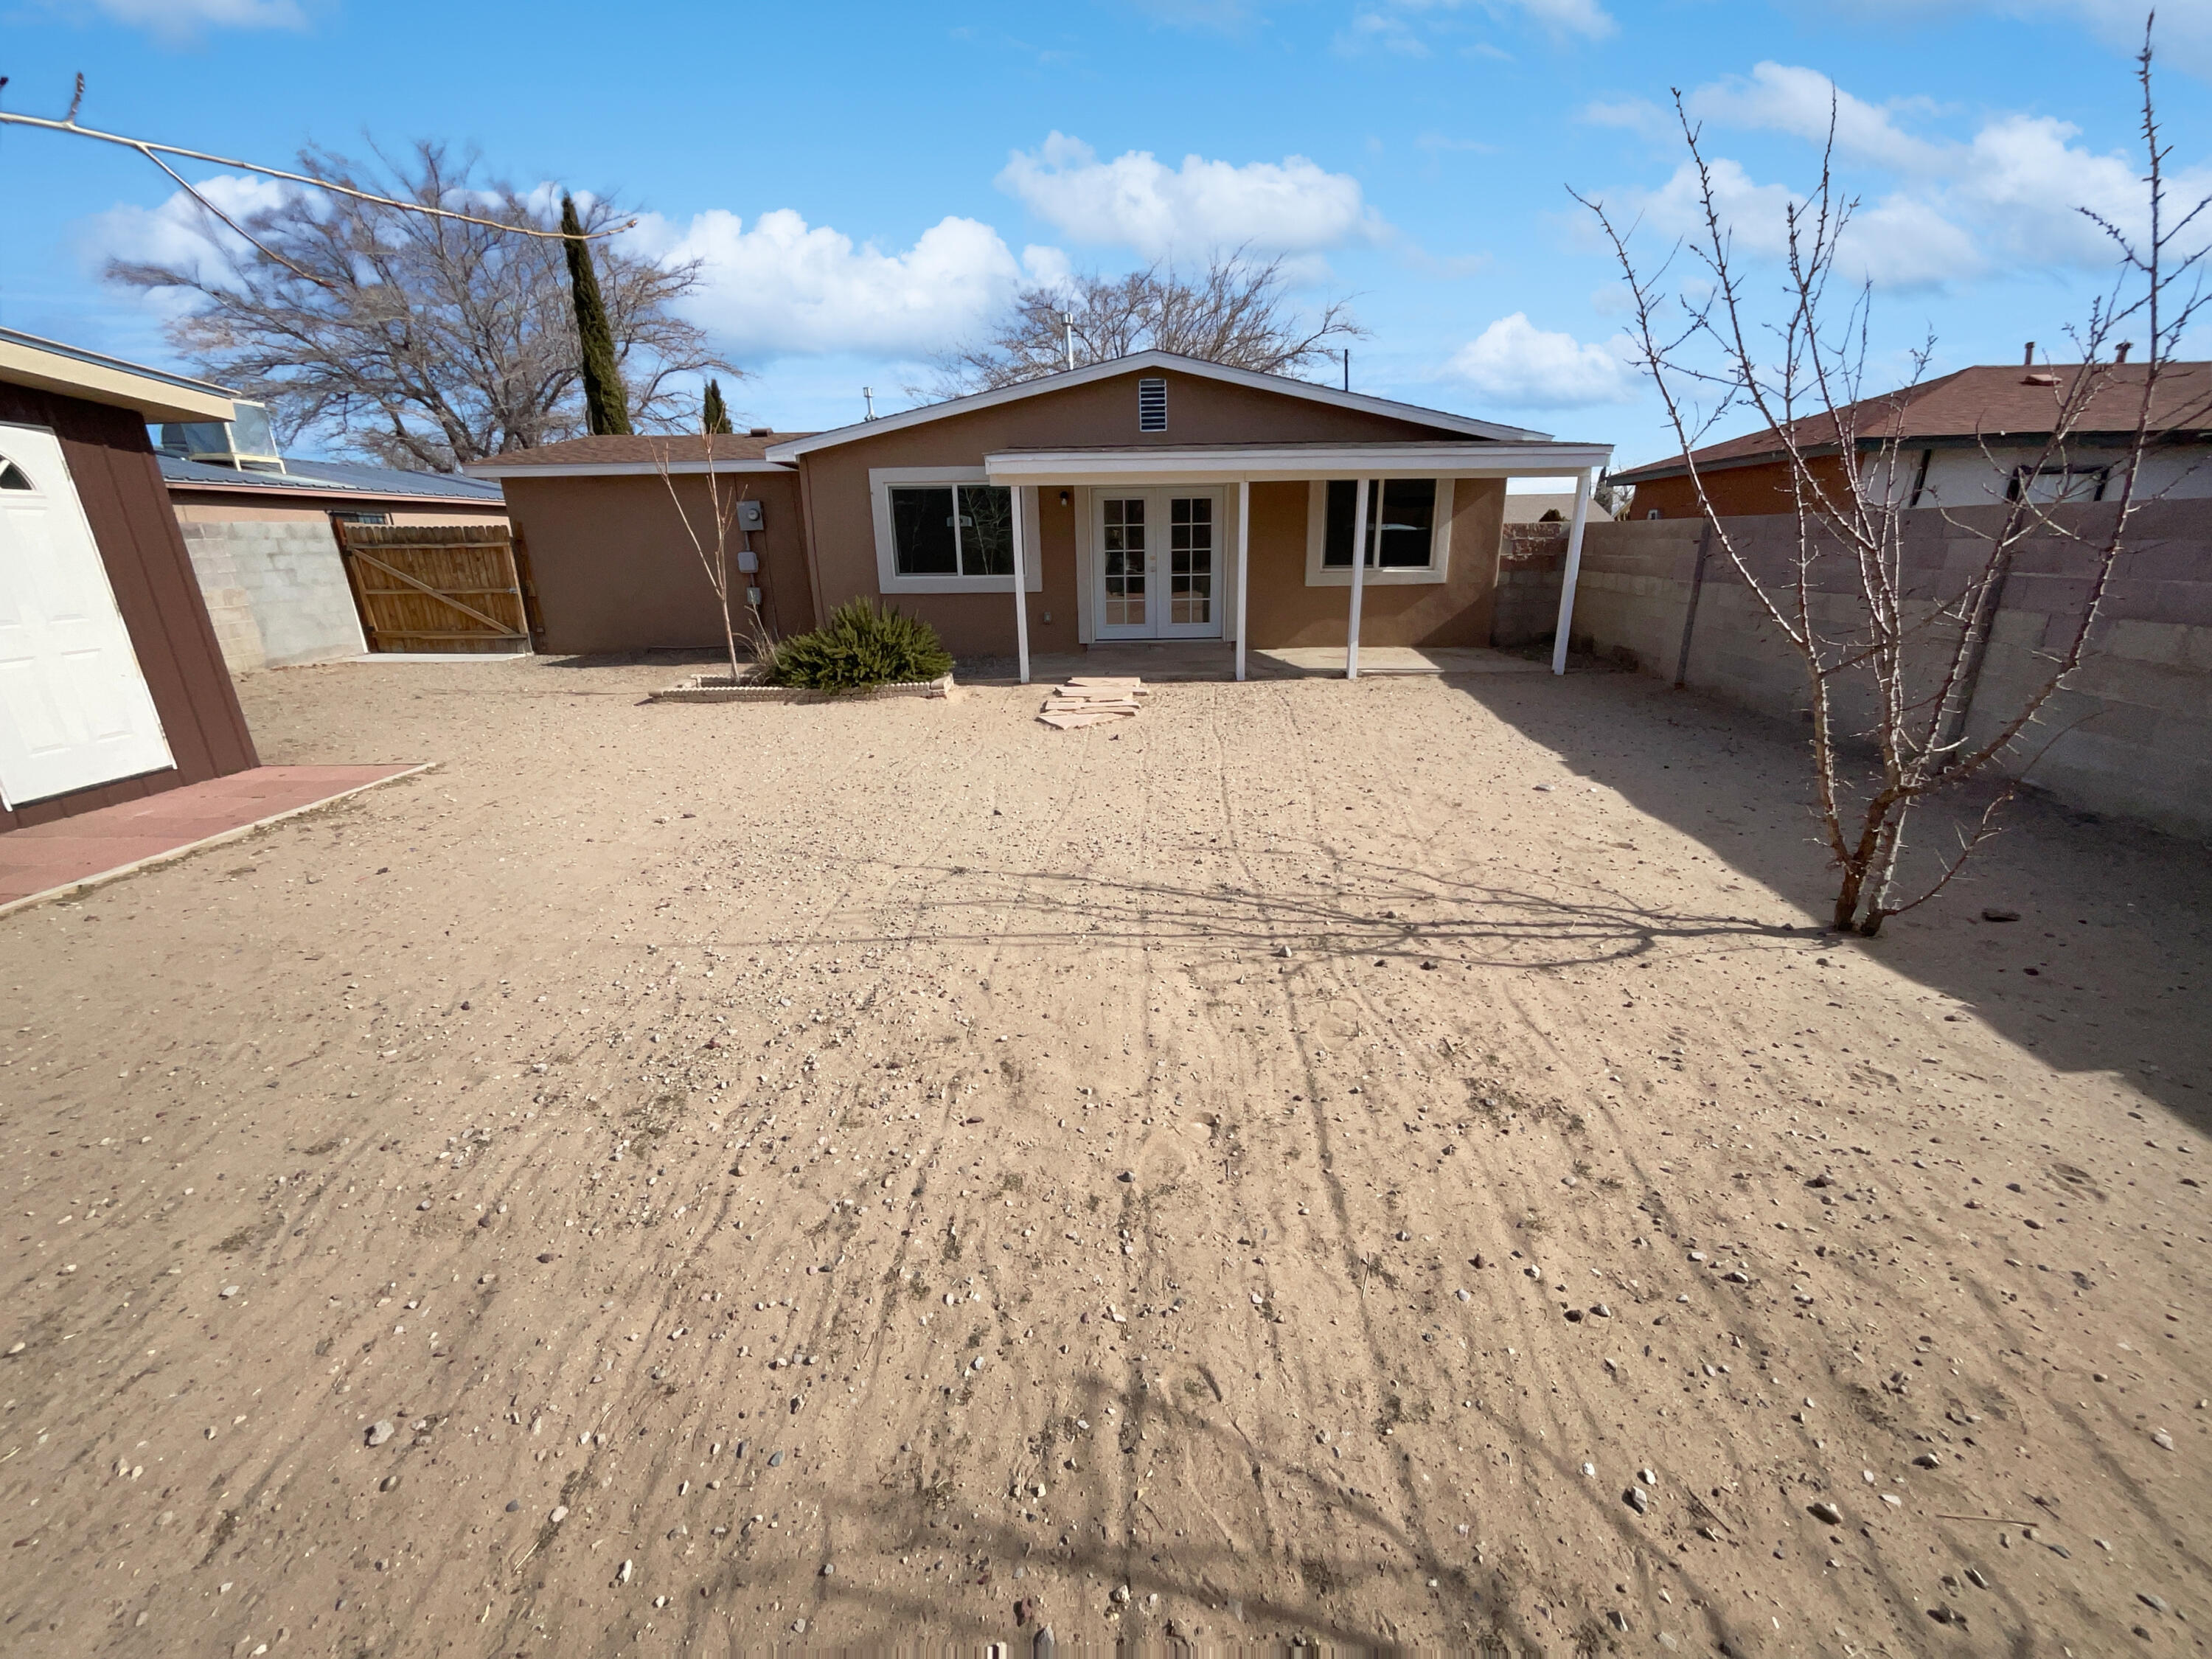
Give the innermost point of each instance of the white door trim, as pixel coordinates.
(1157, 575)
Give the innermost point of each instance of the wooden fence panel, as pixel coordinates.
(436, 587)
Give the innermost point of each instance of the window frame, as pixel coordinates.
(1437, 570)
(883, 480)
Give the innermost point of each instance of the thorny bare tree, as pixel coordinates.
(710, 541)
(1846, 603)
(1235, 312)
(420, 341)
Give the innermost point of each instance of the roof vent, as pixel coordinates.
(1151, 405)
(760, 432)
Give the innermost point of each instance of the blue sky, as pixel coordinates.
(867, 184)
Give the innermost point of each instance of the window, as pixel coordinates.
(952, 529)
(13, 477)
(1401, 533)
(362, 518)
(2049, 485)
(1151, 405)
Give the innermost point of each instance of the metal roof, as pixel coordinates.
(332, 478)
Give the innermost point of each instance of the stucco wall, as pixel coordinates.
(614, 572)
(276, 590)
(2133, 728)
(1283, 611)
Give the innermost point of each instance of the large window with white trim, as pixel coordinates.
(1401, 524)
(952, 529)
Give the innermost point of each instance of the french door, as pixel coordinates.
(1159, 563)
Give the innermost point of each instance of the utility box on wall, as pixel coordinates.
(752, 516)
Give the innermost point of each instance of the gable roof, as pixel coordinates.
(1971, 404)
(791, 449)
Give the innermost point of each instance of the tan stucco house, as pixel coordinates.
(1152, 497)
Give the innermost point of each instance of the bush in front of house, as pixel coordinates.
(862, 646)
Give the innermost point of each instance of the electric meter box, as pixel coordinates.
(751, 516)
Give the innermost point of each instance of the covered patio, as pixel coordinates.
(1177, 547)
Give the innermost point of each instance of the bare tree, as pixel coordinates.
(420, 340)
(1872, 628)
(709, 536)
(1235, 312)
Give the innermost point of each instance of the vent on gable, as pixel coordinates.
(1151, 405)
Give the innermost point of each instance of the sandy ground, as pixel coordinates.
(1386, 1163)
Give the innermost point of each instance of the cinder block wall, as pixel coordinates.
(2131, 734)
(277, 592)
(1532, 561)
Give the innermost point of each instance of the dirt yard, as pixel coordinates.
(1391, 1164)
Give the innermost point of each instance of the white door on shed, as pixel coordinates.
(74, 708)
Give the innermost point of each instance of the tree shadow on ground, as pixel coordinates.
(1442, 922)
(2103, 970)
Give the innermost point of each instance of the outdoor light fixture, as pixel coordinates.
(1066, 496)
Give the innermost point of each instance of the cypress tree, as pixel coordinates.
(605, 406)
(713, 414)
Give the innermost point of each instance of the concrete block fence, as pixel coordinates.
(2130, 736)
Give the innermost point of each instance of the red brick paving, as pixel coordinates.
(67, 851)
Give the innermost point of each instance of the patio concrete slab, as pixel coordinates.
(1212, 660)
(44, 860)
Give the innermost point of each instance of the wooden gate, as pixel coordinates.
(436, 587)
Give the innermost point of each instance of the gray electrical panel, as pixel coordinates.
(751, 516)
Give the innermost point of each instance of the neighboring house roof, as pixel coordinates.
(644, 452)
(791, 449)
(1974, 405)
(336, 481)
(155, 394)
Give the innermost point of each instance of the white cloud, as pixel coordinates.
(1583, 17)
(2185, 29)
(180, 232)
(1559, 19)
(783, 287)
(1136, 201)
(178, 21)
(2011, 192)
(1524, 367)
(1785, 98)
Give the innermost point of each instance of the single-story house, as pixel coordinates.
(263, 530)
(1970, 439)
(1151, 497)
(112, 684)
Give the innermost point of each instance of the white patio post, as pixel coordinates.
(1358, 577)
(1573, 574)
(1021, 590)
(1244, 561)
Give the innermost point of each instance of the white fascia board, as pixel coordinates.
(615, 469)
(1264, 464)
(1136, 363)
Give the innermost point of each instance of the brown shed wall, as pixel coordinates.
(614, 570)
(1200, 410)
(111, 461)
(1734, 491)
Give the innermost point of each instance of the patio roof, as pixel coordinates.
(1277, 462)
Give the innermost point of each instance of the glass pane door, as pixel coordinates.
(1190, 565)
(1123, 553)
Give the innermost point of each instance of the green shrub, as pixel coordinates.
(862, 647)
